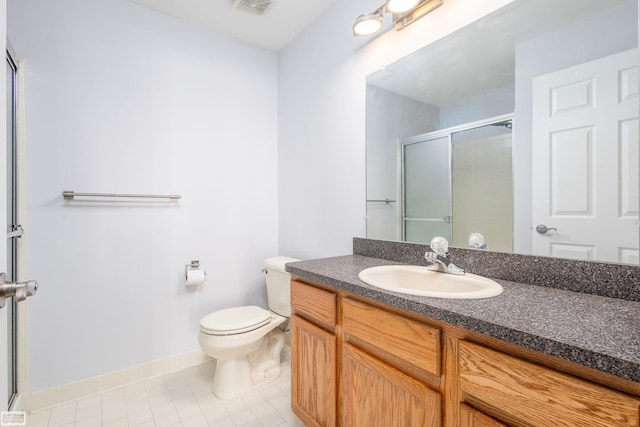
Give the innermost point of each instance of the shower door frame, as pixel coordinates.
(20, 400)
(12, 245)
(430, 136)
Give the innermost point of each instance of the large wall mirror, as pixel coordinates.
(522, 126)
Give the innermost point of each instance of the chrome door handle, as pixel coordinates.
(542, 229)
(19, 290)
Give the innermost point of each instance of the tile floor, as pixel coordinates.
(182, 398)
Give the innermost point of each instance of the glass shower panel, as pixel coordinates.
(424, 231)
(426, 177)
(482, 191)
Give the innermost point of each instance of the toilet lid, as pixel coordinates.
(235, 320)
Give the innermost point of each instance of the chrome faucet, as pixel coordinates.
(439, 258)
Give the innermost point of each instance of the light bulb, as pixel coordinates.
(367, 24)
(400, 6)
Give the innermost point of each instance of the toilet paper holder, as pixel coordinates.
(195, 264)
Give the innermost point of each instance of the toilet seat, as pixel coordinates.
(235, 320)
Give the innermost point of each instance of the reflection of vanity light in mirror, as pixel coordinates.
(404, 13)
(532, 61)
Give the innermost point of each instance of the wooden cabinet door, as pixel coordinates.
(313, 373)
(375, 394)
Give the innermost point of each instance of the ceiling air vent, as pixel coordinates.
(257, 7)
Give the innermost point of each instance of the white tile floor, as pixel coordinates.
(179, 399)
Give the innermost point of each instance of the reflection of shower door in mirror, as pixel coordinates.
(426, 207)
(482, 190)
(8, 314)
(585, 144)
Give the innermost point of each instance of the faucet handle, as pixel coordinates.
(439, 245)
(431, 256)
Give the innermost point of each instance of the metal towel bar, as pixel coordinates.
(71, 195)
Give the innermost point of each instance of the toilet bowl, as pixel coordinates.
(247, 341)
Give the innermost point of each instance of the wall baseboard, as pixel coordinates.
(95, 385)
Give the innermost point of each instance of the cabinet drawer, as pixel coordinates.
(313, 303)
(399, 336)
(524, 393)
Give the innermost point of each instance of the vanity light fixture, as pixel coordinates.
(404, 13)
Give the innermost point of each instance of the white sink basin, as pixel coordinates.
(416, 280)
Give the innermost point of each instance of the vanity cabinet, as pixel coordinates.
(371, 364)
(314, 361)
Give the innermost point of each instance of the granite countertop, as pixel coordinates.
(594, 331)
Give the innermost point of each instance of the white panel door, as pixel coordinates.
(586, 159)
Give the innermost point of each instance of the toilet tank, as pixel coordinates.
(278, 284)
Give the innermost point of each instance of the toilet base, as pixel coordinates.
(237, 376)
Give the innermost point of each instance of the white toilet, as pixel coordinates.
(246, 341)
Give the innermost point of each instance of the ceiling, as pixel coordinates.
(272, 30)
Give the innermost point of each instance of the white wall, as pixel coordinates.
(321, 123)
(321, 119)
(123, 99)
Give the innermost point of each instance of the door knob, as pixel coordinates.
(19, 290)
(542, 229)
